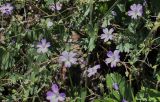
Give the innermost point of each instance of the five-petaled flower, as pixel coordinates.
(68, 58)
(6, 9)
(107, 34)
(115, 86)
(43, 46)
(93, 70)
(56, 6)
(114, 58)
(54, 95)
(136, 10)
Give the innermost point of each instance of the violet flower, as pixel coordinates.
(136, 11)
(124, 100)
(113, 13)
(107, 34)
(54, 95)
(56, 6)
(6, 9)
(43, 46)
(68, 58)
(115, 86)
(92, 71)
(114, 58)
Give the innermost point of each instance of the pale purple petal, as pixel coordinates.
(111, 31)
(58, 6)
(113, 64)
(109, 54)
(108, 60)
(61, 96)
(105, 30)
(139, 7)
(44, 50)
(130, 13)
(110, 37)
(62, 59)
(124, 100)
(106, 39)
(93, 70)
(96, 67)
(65, 54)
(103, 36)
(67, 64)
(49, 95)
(133, 7)
(73, 60)
(55, 88)
(71, 54)
(48, 44)
(116, 53)
(39, 44)
(115, 86)
(43, 41)
(39, 50)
